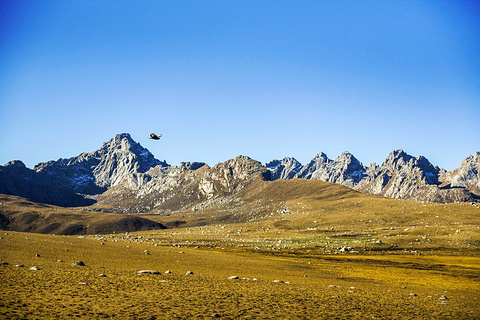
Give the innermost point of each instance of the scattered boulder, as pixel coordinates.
(215, 315)
(101, 275)
(233, 277)
(277, 281)
(168, 272)
(34, 268)
(19, 265)
(148, 272)
(3, 263)
(78, 263)
(188, 273)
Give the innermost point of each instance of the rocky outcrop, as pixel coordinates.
(315, 168)
(400, 176)
(180, 188)
(287, 168)
(345, 170)
(95, 172)
(467, 176)
(403, 176)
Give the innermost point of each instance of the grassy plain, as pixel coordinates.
(317, 285)
(339, 253)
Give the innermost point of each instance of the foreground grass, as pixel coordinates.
(317, 284)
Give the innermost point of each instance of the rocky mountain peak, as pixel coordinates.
(321, 155)
(468, 175)
(397, 158)
(94, 172)
(348, 160)
(346, 170)
(15, 164)
(313, 169)
(402, 176)
(287, 168)
(472, 160)
(240, 167)
(398, 161)
(122, 150)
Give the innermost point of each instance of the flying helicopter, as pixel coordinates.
(154, 136)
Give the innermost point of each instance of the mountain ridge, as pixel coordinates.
(122, 169)
(400, 176)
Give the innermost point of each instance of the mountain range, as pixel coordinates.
(124, 177)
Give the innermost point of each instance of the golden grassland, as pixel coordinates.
(339, 253)
(317, 285)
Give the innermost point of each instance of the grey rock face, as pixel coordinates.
(95, 172)
(400, 176)
(191, 165)
(468, 175)
(175, 187)
(315, 168)
(287, 168)
(345, 170)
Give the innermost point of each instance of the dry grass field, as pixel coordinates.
(315, 285)
(338, 253)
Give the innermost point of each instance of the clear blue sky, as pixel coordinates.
(266, 79)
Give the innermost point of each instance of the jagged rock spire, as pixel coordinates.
(94, 172)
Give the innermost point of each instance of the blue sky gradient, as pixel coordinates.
(266, 79)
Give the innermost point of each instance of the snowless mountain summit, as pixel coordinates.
(400, 176)
(467, 176)
(95, 172)
(121, 168)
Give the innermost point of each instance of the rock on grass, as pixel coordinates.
(148, 272)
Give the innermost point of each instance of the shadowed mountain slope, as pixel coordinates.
(20, 214)
(17, 179)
